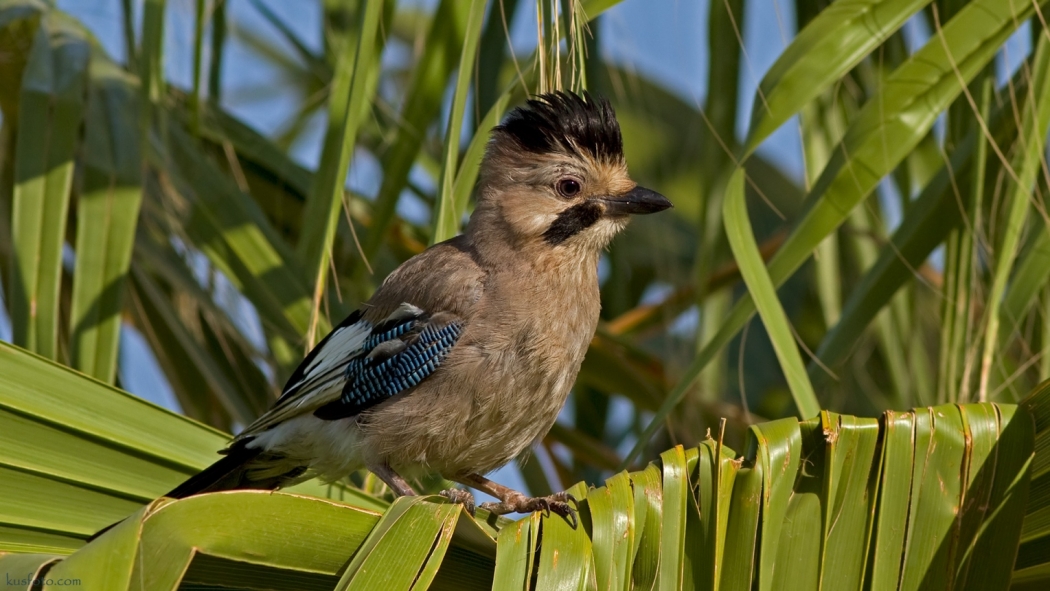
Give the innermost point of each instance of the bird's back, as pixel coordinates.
(446, 277)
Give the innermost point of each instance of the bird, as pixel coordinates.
(467, 351)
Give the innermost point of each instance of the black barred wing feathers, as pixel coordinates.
(359, 365)
(399, 359)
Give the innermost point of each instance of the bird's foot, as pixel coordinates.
(561, 503)
(463, 497)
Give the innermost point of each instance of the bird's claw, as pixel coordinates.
(565, 505)
(561, 503)
(463, 497)
(567, 498)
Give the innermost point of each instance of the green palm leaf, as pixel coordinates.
(134, 202)
(927, 498)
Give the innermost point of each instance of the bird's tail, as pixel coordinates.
(240, 468)
(229, 473)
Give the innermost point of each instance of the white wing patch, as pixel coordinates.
(323, 378)
(347, 341)
(341, 346)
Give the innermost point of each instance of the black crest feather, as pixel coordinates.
(563, 122)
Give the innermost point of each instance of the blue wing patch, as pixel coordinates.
(397, 355)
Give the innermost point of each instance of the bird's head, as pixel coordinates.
(554, 176)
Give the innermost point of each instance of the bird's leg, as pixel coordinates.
(392, 479)
(512, 501)
(402, 488)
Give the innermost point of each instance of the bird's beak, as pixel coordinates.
(638, 200)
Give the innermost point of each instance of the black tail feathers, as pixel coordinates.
(230, 473)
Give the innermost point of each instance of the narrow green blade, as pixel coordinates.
(850, 488)
(826, 49)
(612, 531)
(648, 502)
(356, 78)
(779, 450)
(107, 216)
(764, 294)
(1027, 165)
(894, 496)
(449, 210)
(50, 113)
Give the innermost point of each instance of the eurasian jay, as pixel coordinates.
(466, 353)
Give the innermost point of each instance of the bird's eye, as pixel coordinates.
(569, 187)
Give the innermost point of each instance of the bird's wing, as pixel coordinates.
(360, 364)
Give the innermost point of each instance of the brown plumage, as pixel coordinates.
(516, 300)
